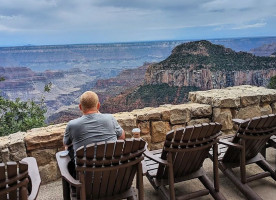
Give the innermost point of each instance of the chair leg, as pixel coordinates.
(267, 167)
(209, 185)
(263, 151)
(215, 167)
(171, 177)
(66, 189)
(242, 163)
(139, 182)
(243, 187)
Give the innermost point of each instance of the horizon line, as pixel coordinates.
(131, 42)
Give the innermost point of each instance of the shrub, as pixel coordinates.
(20, 115)
(272, 83)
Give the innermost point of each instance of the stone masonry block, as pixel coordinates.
(198, 121)
(224, 117)
(49, 172)
(180, 116)
(17, 149)
(159, 130)
(200, 110)
(127, 121)
(45, 137)
(266, 109)
(144, 127)
(273, 106)
(248, 112)
(44, 156)
(250, 100)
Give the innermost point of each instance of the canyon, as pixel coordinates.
(193, 66)
(112, 71)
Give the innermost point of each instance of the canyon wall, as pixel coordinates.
(207, 79)
(217, 105)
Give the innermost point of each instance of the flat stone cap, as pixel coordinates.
(233, 97)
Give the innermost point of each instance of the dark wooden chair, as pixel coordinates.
(105, 171)
(181, 159)
(245, 148)
(19, 180)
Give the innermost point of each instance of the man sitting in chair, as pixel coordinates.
(92, 127)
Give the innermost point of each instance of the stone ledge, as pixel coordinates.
(234, 97)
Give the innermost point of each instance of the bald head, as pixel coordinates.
(89, 101)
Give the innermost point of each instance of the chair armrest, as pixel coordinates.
(144, 167)
(230, 144)
(148, 154)
(63, 167)
(34, 176)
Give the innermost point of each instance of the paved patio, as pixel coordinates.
(266, 187)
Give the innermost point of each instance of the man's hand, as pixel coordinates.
(123, 136)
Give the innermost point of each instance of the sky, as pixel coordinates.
(47, 22)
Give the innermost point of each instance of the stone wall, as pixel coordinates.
(214, 105)
(236, 102)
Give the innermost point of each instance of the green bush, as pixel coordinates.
(20, 115)
(159, 94)
(272, 83)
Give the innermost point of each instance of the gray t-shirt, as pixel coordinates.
(91, 128)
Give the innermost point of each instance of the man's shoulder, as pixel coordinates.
(105, 115)
(75, 121)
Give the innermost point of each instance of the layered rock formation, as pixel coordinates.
(207, 66)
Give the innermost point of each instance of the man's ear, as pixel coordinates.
(98, 106)
(80, 107)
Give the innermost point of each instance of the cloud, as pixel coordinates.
(113, 20)
(256, 25)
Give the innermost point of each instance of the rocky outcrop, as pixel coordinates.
(208, 66)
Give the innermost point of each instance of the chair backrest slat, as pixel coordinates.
(108, 156)
(12, 172)
(90, 152)
(100, 150)
(23, 167)
(269, 122)
(2, 179)
(196, 132)
(204, 131)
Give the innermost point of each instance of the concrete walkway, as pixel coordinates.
(266, 187)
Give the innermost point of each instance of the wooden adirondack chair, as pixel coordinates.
(181, 159)
(105, 170)
(19, 180)
(244, 148)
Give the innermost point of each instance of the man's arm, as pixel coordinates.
(123, 136)
(66, 139)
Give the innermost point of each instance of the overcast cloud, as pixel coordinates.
(95, 21)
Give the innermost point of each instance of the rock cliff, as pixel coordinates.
(264, 50)
(208, 66)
